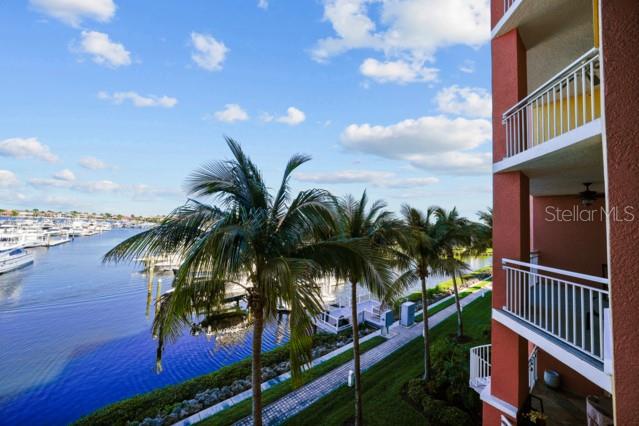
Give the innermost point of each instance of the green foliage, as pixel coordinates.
(454, 416)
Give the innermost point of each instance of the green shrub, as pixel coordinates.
(432, 407)
(453, 416)
(416, 390)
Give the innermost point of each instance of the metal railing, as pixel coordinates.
(480, 366)
(346, 300)
(564, 304)
(507, 4)
(532, 369)
(565, 102)
(332, 323)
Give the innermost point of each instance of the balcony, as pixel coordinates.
(564, 110)
(480, 366)
(564, 313)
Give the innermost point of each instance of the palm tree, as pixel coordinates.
(377, 227)
(421, 256)
(456, 233)
(273, 246)
(483, 231)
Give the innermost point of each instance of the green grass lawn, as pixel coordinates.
(463, 293)
(383, 402)
(243, 409)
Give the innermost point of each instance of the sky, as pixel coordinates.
(108, 106)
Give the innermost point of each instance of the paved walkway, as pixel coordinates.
(296, 401)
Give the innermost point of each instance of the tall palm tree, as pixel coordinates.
(421, 256)
(455, 233)
(376, 226)
(274, 246)
(483, 235)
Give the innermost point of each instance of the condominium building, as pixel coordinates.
(565, 317)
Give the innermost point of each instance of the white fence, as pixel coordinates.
(567, 101)
(564, 304)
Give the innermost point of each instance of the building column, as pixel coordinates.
(620, 51)
(511, 229)
(511, 239)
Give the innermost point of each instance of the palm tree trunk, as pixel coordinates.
(359, 419)
(425, 323)
(460, 324)
(256, 364)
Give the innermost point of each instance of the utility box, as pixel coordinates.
(407, 314)
(388, 319)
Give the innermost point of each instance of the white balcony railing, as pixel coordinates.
(480, 364)
(564, 304)
(565, 102)
(507, 4)
(331, 323)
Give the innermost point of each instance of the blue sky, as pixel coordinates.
(109, 105)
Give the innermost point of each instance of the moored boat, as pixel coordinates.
(12, 258)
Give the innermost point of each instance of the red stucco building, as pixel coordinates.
(565, 79)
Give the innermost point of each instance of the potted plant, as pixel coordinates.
(536, 417)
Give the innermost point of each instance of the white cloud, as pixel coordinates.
(293, 117)
(26, 148)
(98, 186)
(65, 175)
(103, 51)
(468, 101)
(90, 186)
(379, 179)
(414, 27)
(344, 176)
(46, 182)
(8, 179)
(73, 12)
(397, 71)
(209, 53)
(266, 117)
(93, 163)
(455, 162)
(262, 4)
(148, 193)
(138, 191)
(139, 100)
(231, 113)
(436, 143)
(468, 66)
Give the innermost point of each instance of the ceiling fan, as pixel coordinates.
(588, 196)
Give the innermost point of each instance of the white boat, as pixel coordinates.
(12, 258)
(34, 238)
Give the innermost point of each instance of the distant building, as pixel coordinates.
(566, 211)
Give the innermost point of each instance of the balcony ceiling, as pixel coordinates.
(539, 19)
(563, 172)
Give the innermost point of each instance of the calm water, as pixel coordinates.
(74, 335)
